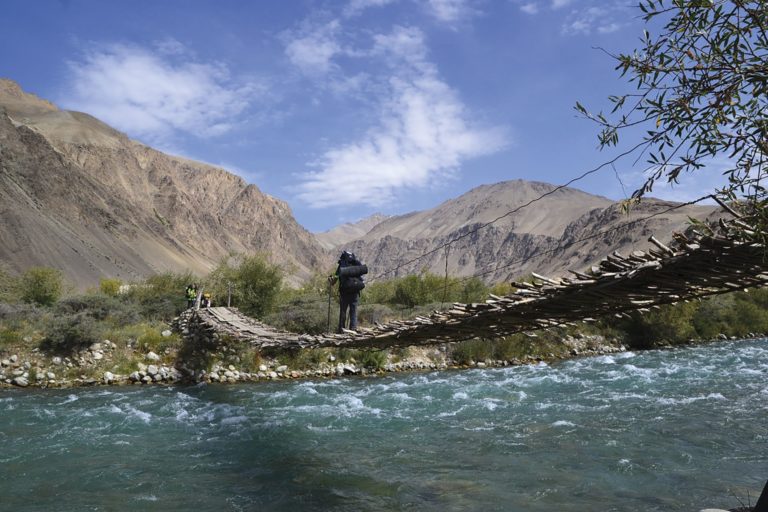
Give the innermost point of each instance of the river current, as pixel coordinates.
(668, 430)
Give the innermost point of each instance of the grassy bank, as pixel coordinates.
(120, 332)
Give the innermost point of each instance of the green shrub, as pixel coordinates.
(373, 359)
(255, 283)
(99, 307)
(161, 297)
(9, 337)
(153, 340)
(69, 333)
(466, 352)
(371, 313)
(41, 285)
(304, 314)
(110, 287)
(9, 285)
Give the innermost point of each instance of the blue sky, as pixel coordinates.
(344, 108)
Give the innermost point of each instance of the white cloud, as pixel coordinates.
(423, 134)
(313, 49)
(450, 11)
(603, 19)
(153, 97)
(559, 4)
(530, 8)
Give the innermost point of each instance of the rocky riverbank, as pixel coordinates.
(105, 363)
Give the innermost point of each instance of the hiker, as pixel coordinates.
(191, 294)
(206, 301)
(349, 273)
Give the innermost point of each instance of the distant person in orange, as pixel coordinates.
(349, 273)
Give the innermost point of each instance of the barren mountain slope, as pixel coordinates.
(540, 237)
(344, 233)
(78, 195)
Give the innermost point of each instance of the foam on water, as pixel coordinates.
(625, 432)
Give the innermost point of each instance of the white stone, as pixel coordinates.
(281, 368)
(134, 376)
(147, 379)
(331, 358)
(214, 377)
(142, 367)
(481, 365)
(152, 357)
(21, 382)
(228, 374)
(95, 347)
(713, 510)
(98, 356)
(56, 360)
(166, 333)
(109, 377)
(152, 370)
(50, 375)
(262, 368)
(5, 362)
(231, 368)
(14, 358)
(272, 375)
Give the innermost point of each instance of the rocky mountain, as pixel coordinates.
(80, 196)
(566, 229)
(345, 233)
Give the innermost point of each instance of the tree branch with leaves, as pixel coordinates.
(701, 92)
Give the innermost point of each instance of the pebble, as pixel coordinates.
(152, 357)
(166, 333)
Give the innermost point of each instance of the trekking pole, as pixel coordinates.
(329, 307)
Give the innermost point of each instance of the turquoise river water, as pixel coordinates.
(660, 430)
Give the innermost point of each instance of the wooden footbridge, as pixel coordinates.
(708, 261)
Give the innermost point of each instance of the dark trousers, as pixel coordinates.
(348, 300)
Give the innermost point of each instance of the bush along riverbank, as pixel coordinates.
(135, 363)
(121, 334)
(106, 363)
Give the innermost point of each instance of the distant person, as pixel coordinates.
(191, 294)
(206, 301)
(349, 273)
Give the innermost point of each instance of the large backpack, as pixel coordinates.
(351, 276)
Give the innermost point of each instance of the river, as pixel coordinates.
(663, 430)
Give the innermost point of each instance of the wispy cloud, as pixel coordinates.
(155, 93)
(451, 11)
(601, 18)
(423, 134)
(530, 8)
(313, 47)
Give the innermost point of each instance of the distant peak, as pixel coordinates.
(12, 95)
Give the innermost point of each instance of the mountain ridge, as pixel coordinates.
(81, 196)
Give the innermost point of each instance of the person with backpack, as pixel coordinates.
(349, 273)
(190, 293)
